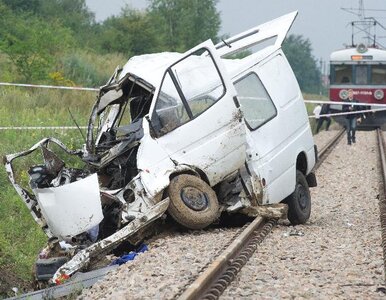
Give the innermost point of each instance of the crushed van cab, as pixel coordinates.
(193, 135)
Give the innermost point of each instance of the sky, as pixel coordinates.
(324, 23)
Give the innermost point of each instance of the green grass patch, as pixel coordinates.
(42, 107)
(20, 237)
(310, 106)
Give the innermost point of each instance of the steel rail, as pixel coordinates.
(211, 283)
(221, 272)
(327, 149)
(382, 196)
(77, 283)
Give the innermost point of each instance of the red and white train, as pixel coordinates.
(361, 69)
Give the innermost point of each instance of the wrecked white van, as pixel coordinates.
(193, 135)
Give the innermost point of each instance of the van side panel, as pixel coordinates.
(274, 146)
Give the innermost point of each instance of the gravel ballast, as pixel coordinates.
(172, 261)
(336, 254)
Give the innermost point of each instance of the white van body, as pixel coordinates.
(195, 135)
(271, 149)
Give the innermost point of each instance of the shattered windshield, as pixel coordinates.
(115, 110)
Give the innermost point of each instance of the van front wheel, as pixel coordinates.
(193, 203)
(299, 202)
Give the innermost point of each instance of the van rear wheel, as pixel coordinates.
(193, 203)
(299, 202)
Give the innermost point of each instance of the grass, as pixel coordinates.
(44, 107)
(20, 237)
(310, 107)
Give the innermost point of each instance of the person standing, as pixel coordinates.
(325, 110)
(316, 112)
(351, 117)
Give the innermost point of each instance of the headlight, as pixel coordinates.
(343, 94)
(379, 94)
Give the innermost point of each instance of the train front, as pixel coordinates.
(362, 70)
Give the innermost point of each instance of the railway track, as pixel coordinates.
(382, 195)
(327, 148)
(215, 277)
(324, 258)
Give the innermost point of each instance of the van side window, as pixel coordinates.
(279, 80)
(189, 87)
(255, 102)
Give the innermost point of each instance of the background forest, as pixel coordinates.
(59, 41)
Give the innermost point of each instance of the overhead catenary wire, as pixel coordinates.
(365, 24)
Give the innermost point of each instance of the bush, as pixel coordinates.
(89, 69)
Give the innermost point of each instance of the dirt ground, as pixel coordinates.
(8, 280)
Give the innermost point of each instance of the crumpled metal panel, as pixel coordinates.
(72, 208)
(82, 258)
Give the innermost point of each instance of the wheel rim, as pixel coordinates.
(194, 198)
(302, 197)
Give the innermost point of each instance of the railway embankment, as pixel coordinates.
(337, 254)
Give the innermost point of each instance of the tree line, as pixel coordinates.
(37, 35)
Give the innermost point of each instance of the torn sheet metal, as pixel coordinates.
(83, 257)
(69, 216)
(27, 196)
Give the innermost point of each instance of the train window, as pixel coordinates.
(342, 74)
(361, 76)
(255, 102)
(378, 74)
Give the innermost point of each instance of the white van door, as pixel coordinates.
(277, 121)
(196, 116)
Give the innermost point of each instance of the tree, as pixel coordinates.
(299, 53)
(185, 23)
(23, 5)
(133, 32)
(30, 43)
(73, 14)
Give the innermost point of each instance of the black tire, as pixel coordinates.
(299, 202)
(193, 203)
